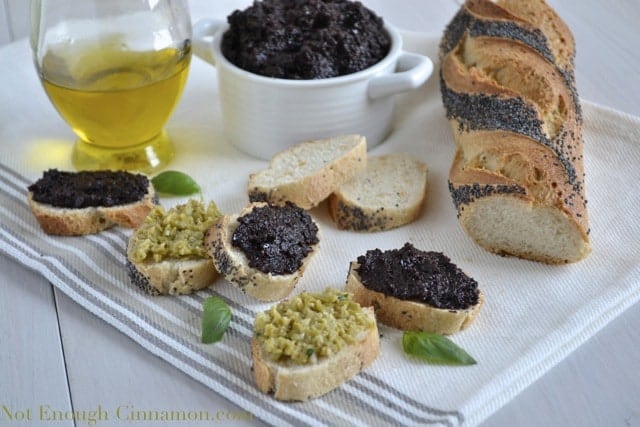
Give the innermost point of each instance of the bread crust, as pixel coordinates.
(410, 315)
(282, 182)
(511, 211)
(508, 88)
(90, 220)
(532, 23)
(301, 383)
(171, 276)
(232, 263)
(540, 16)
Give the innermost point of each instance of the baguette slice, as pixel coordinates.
(309, 172)
(77, 222)
(65, 221)
(172, 276)
(410, 315)
(389, 193)
(175, 275)
(289, 382)
(233, 264)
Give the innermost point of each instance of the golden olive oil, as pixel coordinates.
(117, 101)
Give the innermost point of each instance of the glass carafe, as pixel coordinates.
(115, 71)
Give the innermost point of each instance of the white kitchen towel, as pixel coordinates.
(534, 314)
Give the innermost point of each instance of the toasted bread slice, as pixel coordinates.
(166, 253)
(411, 315)
(235, 266)
(412, 289)
(300, 382)
(389, 193)
(172, 276)
(75, 221)
(309, 172)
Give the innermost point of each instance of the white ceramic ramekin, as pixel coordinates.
(263, 115)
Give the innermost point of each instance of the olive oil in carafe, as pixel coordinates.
(117, 101)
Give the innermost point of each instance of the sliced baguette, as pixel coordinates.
(65, 221)
(177, 272)
(389, 193)
(172, 276)
(233, 264)
(290, 382)
(309, 172)
(76, 222)
(410, 315)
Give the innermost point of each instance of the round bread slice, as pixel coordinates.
(172, 276)
(307, 173)
(166, 254)
(90, 220)
(389, 193)
(291, 382)
(233, 264)
(410, 315)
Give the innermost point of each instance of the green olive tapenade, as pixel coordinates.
(310, 326)
(176, 233)
(166, 254)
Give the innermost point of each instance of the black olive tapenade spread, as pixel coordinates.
(411, 274)
(276, 239)
(305, 39)
(84, 189)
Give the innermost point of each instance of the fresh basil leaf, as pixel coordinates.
(175, 183)
(435, 348)
(216, 316)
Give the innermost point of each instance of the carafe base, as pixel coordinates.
(148, 157)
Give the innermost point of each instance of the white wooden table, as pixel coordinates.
(56, 356)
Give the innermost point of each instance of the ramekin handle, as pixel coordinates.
(412, 71)
(201, 44)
